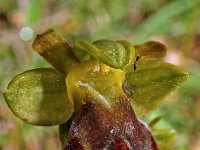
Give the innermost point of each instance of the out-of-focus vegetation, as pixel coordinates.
(174, 22)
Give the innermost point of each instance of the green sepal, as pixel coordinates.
(150, 83)
(39, 97)
(64, 129)
(165, 138)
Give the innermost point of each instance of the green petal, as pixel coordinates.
(80, 53)
(56, 50)
(39, 97)
(151, 49)
(151, 83)
(116, 54)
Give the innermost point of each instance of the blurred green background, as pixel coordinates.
(173, 22)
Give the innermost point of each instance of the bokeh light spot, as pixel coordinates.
(26, 33)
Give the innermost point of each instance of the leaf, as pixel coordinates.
(56, 50)
(116, 54)
(34, 11)
(39, 97)
(157, 20)
(151, 49)
(151, 83)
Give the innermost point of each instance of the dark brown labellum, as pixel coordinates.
(97, 127)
